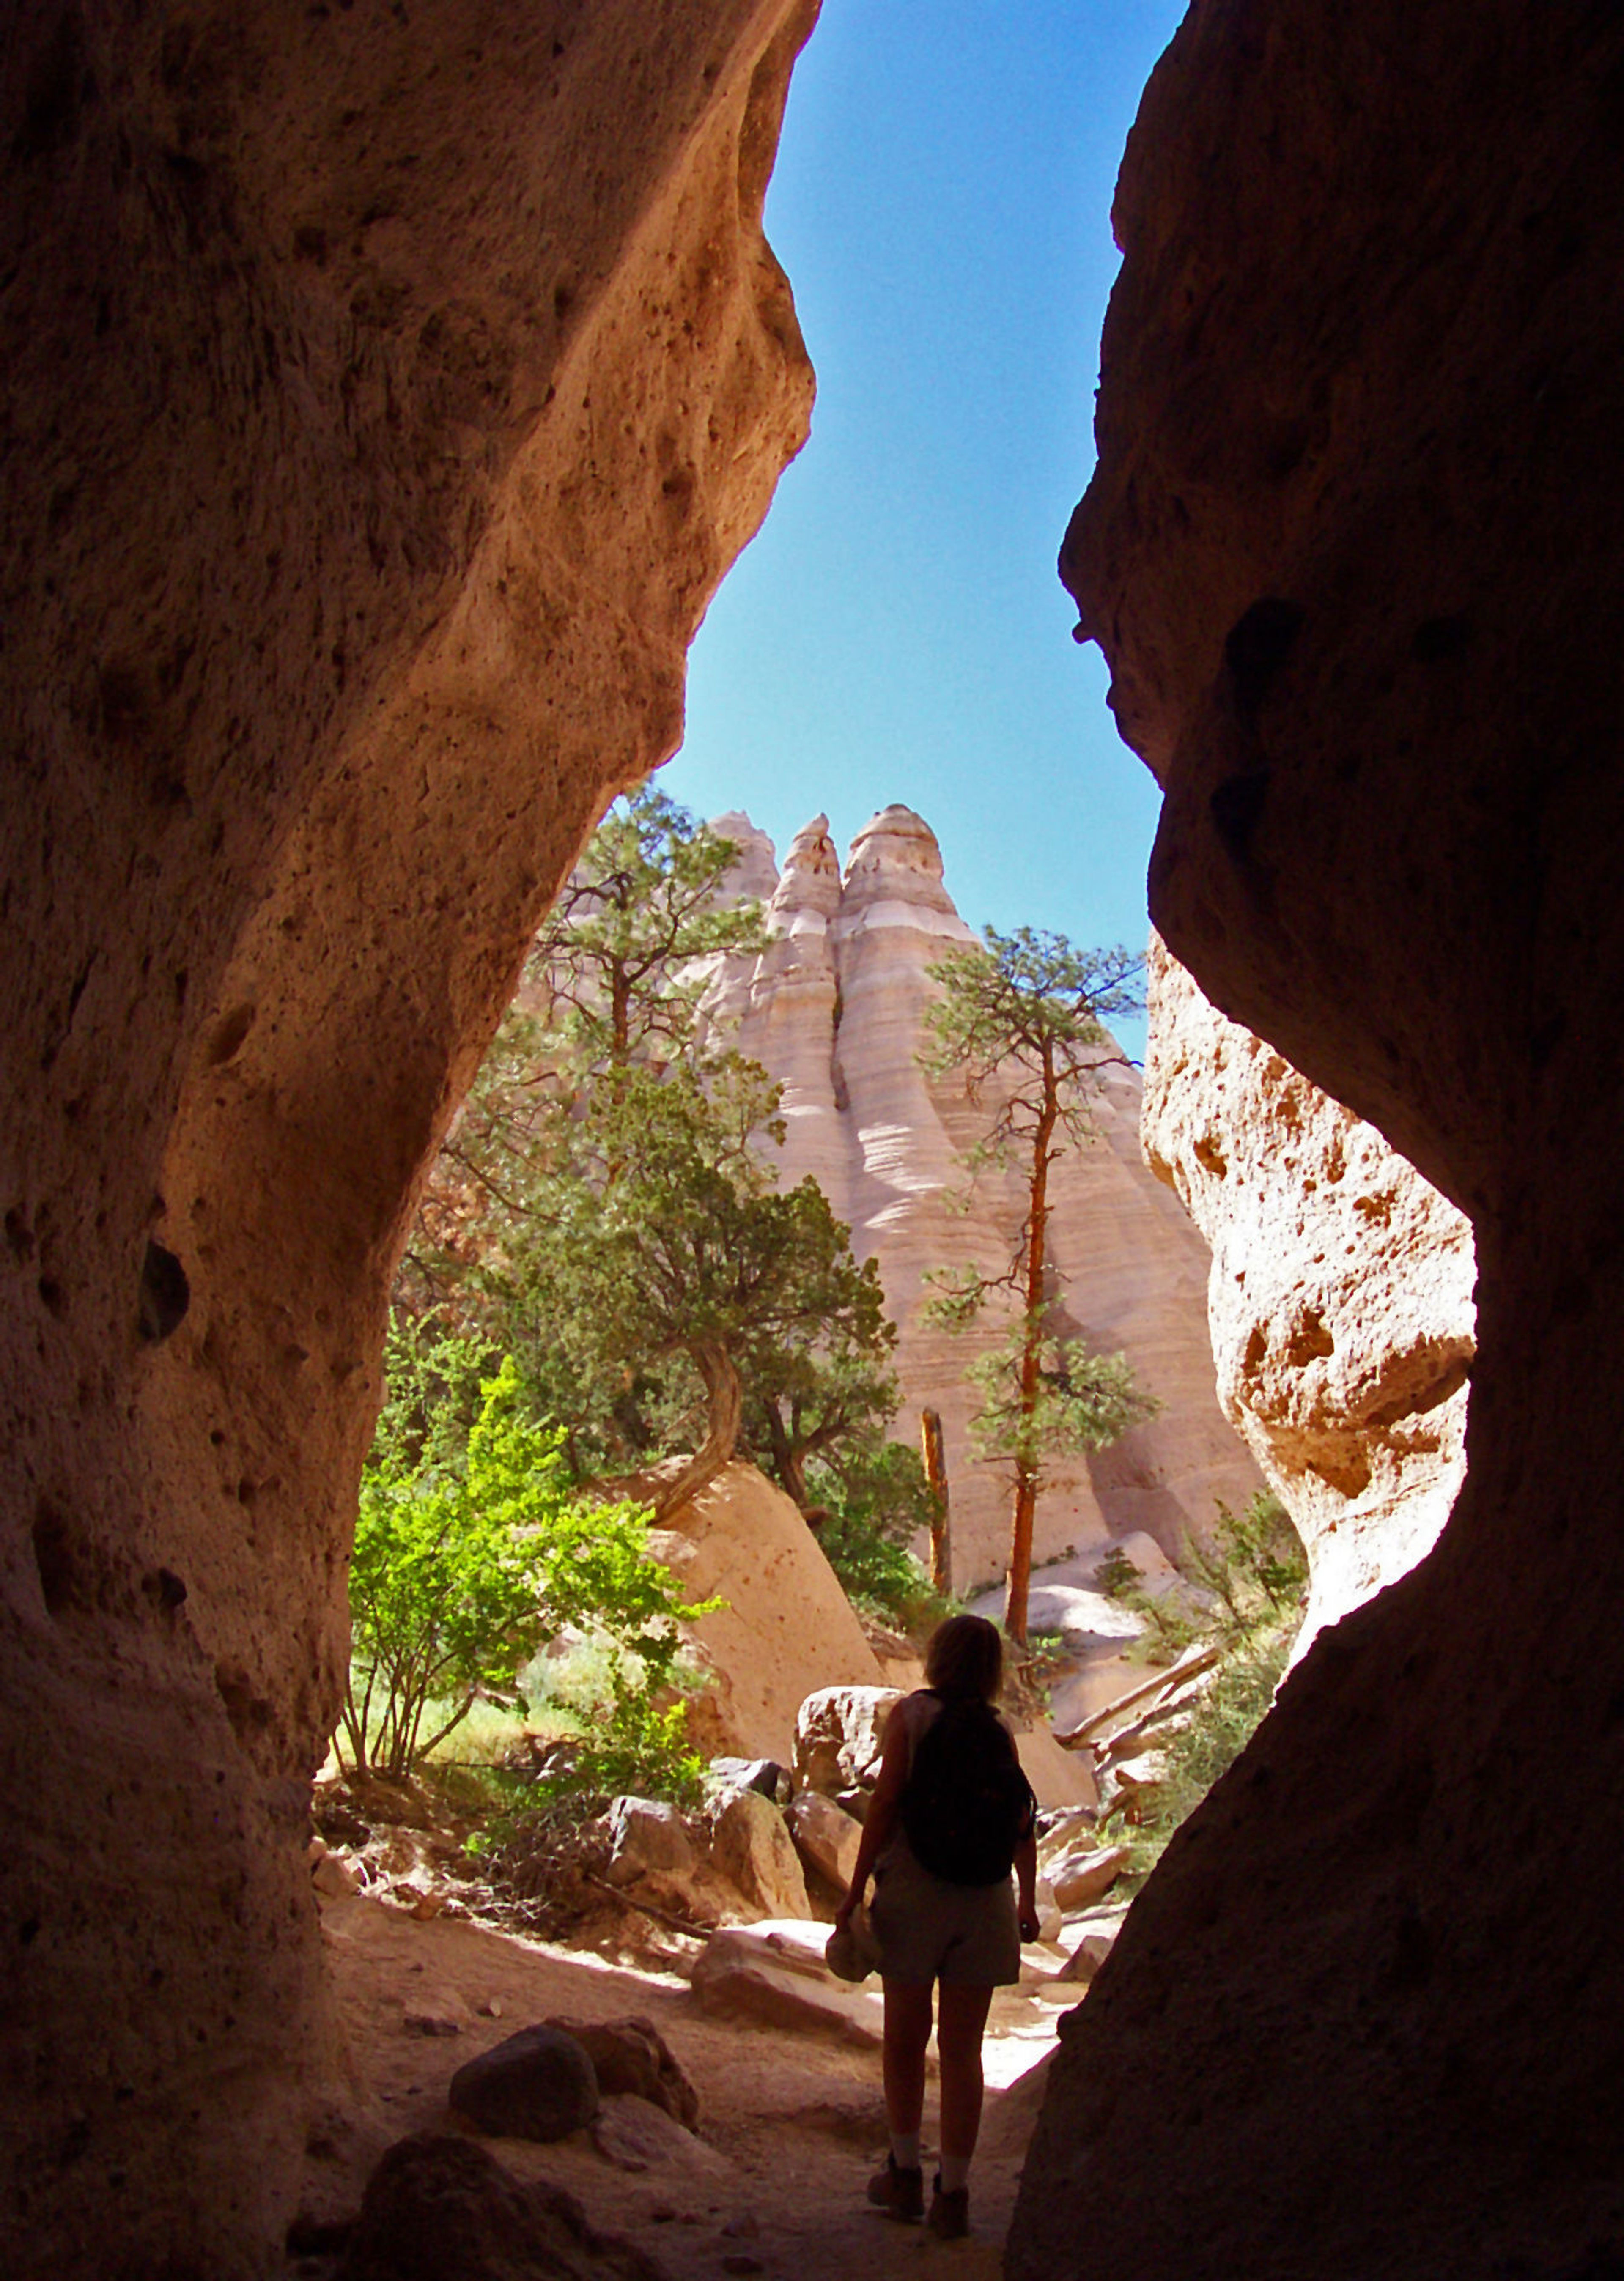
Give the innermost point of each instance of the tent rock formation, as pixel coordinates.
(833, 1009)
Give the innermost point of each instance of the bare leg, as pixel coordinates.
(962, 2018)
(908, 2031)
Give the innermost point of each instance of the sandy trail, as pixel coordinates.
(791, 2124)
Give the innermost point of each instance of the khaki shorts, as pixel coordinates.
(967, 1935)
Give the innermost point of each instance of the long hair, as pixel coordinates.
(965, 1658)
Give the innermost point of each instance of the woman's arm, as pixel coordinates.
(1026, 1883)
(882, 1815)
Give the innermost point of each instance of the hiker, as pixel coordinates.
(950, 1816)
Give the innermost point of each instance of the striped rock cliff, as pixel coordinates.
(834, 1010)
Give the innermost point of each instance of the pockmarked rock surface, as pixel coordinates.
(784, 1626)
(1351, 547)
(834, 1010)
(384, 394)
(1340, 1302)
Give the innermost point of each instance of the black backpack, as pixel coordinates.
(967, 1805)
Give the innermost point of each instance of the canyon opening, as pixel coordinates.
(386, 393)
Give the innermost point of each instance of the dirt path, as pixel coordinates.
(790, 2124)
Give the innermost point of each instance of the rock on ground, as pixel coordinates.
(751, 1847)
(826, 1838)
(774, 1975)
(442, 2209)
(839, 1734)
(632, 2057)
(538, 2084)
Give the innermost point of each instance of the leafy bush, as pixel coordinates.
(472, 1551)
(1257, 1572)
(870, 1506)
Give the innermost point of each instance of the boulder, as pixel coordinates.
(1050, 1918)
(442, 2207)
(634, 2136)
(1058, 1777)
(775, 1976)
(826, 1838)
(751, 1847)
(838, 1736)
(1067, 1833)
(539, 2083)
(724, 1775)
(1090, 1952)
(1081, 1879)
(784, 1626)
(631, 2057)
(648, 1838)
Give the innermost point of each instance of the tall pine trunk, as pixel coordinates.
(1026, 1466)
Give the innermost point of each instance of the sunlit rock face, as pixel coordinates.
(384, 393)
(1341, 1294)
(1352, 549)
(835, 1010)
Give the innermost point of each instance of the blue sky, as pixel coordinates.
(897, 631)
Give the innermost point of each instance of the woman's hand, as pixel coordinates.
(1028, 1920)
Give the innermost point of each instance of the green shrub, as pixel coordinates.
(871, 1506)
(1257, 1572)
(472, 1551)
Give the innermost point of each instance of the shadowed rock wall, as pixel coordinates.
(384, 392)
(1352, 550)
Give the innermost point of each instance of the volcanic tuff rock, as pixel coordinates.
(834, 1010)
(1352, 548)
(383, 393)
(1341, 1294)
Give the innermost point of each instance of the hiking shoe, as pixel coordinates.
(949, 2218)
(899, 2192)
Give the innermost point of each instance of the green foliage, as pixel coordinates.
(616, 958)
(1257, 1568)
(472, 1551)
(1030, 1009)
(870, 1504)
(1080, 1401)
(1256, 1560)
(608, 1209)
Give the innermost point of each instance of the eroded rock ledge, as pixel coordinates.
(1339, 1300)
(385, 391)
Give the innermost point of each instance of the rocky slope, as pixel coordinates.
(1340, 1299)
(834, 1010)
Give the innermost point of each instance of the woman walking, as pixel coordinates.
(951, 1815)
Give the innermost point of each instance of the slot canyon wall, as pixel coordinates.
(834, 1010)
(1352, 549)
(1339, 1297)
(384, 393)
